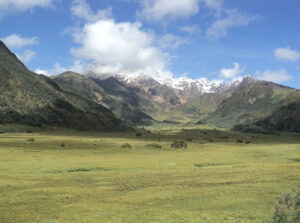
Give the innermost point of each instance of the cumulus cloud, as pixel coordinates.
(27, 56)
(231, 73)
(287, 54)
(10, 6)
(82, 10)
(277, 76)
(78, 67)
(16, 41)
(215, 4)
(170, 41)
(158, 10)
(190, 29)
(233, 18)
(116, 48)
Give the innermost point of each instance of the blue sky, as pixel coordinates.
(215, 39)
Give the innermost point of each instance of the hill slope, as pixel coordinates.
(36, 100)
(111, 93)
(286, 116)
(249, 103)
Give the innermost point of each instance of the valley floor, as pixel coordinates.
(92, 179)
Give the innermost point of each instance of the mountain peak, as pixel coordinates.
(7, 57)
(249, 77)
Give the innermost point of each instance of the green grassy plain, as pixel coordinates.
(93, 179)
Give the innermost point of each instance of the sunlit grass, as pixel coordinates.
(93, 179)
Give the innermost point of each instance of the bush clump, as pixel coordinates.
(2, 131)
(138, 134)
(126, 146)
(288, 209)
(179, 144)
(245, 139)
(62, 145)
(31, 140)
(154, 145)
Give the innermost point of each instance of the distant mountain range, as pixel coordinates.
(105, 102)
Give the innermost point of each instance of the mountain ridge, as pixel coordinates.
(30, 99)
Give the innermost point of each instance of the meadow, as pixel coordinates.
(67, 177)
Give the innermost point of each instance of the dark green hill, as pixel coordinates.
(113, 94)
(249, 103)
(36, 100)
(200, 107)
(285, 117)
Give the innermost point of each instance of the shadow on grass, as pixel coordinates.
(81, 170)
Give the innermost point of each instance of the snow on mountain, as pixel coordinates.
(184, 87)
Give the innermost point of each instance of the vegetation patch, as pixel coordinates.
(251, 129)
(154, 145)
(296, 160)
(31, 140)
(245, 139)
(81, 170)
(87, 169)
(200, 165)
(288, 209)
(179, 144)
(126, 146)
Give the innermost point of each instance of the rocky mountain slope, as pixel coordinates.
(31, 99)
(182, 100)
(124, 101)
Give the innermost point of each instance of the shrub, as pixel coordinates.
(239, 141)
(30, 140)
(138, 134)
(62, 145)
(179, 144)
(2, 131)
(288, 209)
(245, 139)
(126, 146)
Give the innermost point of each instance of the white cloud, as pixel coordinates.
(10, 6)
(231, 73)
(41, 71)
(287, 54)
(232, 18)
(171, 41)
(117, 48)
(82, 10)
(160, 10)
(190, 29)
(215, 4)
(27, 56)
(16, 41)
(277, 76)
(77, 67)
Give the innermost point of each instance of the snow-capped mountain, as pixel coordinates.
(185, 88)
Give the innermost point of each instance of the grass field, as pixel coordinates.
(93, 179)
